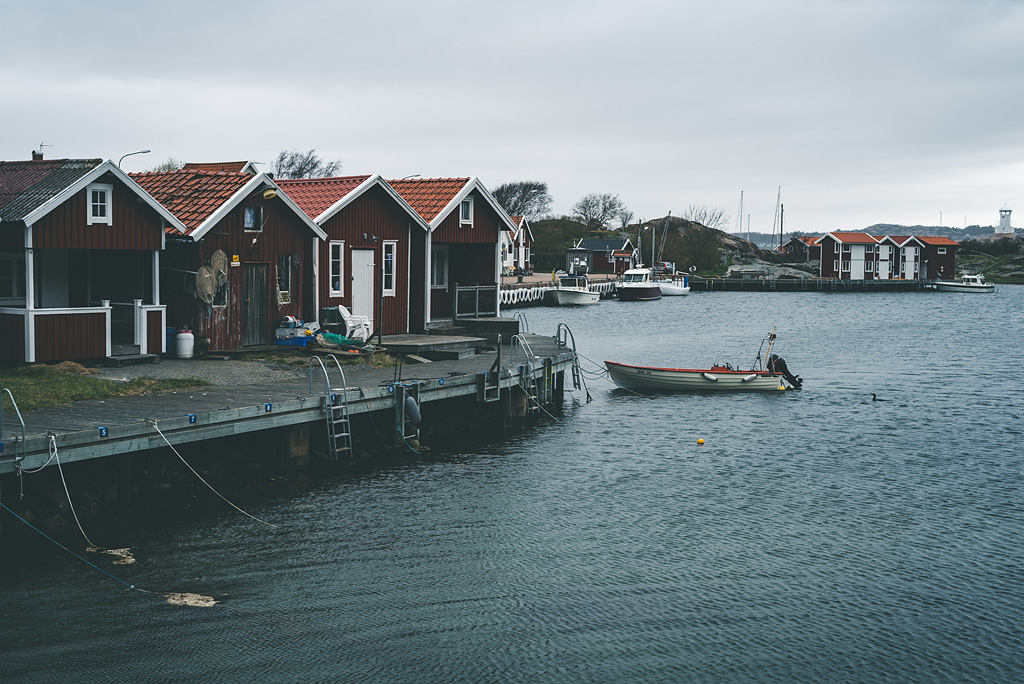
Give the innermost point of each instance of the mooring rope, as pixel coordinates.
(84, 560)
(157, 428)
(60, 468)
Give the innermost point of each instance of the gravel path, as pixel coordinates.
(213, 372)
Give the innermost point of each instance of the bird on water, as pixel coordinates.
(874, 398)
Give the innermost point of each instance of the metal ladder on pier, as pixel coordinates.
(17, 453)
(527, 372)
(334, 404)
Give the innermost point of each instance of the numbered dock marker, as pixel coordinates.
(268, 407)
(440, 382)
(1, 447)
(391, 389)
(192, 418)
(104, 431)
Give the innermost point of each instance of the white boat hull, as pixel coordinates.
(693, 380)
(573, 297)
(669, 289)
(956, 286)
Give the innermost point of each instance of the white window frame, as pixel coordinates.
(90, 206)
(526, 257)
(846, 249)
(846, 267)
(835, 267)
(386, 247)
(869, 266)
(439, 276)
(941, 250)
(258, 216)
(466, 212)
(336, 276)
(837, 248)
(284, 296)
(9, 266)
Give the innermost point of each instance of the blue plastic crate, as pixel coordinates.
(293, 341)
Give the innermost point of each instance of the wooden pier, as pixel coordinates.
(806, 285)
(528, 373)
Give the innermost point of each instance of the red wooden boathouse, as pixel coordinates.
(80, 246)
(251, 239)
(373, 259)
(463, 257)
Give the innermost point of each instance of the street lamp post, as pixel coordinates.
(130, 154)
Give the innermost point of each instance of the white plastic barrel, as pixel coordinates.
(185, 343)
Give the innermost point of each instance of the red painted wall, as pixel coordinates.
(283, 233)
(12, 339)
(135, 224)
(70, 336)
(375, 214)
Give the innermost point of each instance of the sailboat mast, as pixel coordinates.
(775, 216)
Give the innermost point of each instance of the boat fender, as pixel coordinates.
(412, 411)
(709, 376)
(748, 378)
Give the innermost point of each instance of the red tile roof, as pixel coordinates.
(939, 241)
(316, 195)
(429, 196)
(848, 238)
(227, 167)
(192, 196)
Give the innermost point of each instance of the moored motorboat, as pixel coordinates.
(573, 290)
(772, 376)
(967, 283)
(674, 287)
(637, 286)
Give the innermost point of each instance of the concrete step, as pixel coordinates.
(131, 359)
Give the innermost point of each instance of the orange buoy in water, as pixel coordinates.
(700, 441)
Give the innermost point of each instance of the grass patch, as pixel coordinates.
(287, 356)
(42, 386)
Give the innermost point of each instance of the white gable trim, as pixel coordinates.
(471, 185)
(258, 182)
(375, 179)
(79, 185)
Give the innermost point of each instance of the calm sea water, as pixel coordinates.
(816, 536)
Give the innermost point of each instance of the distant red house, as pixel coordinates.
(245, 261)
(463, 246)
(907, 257)
(939, 257)
(802, 248)
(373, 260)
(848, 256)
(80, 248)
(602, 255)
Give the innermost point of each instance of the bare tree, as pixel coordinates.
(298, 164)
(625, 218)
(524, 198)
(169, 164)
(597, 210)
(712, 217)
(701, 245)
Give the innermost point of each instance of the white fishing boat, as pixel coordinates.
(773, 376)
(967, 283)
(674, 287)
(637, 285)
(573, 290)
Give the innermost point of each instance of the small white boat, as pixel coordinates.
(572, 290)
(637, 285)
(773, 376)
(675, 287)
(967, 283)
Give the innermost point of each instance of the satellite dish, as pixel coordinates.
(206, 284)
(219, 264)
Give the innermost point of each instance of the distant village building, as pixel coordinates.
(860, 256)
(1005, 227)
(601, 255)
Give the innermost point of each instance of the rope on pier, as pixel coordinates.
(157, 428)
(55, 457)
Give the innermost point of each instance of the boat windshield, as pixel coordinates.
(634, 277)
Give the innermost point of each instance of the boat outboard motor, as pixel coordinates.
(776, 364)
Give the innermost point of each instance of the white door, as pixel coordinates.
(362, 283)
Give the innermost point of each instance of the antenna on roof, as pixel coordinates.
(42, 145)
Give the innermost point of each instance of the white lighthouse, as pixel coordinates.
(1004, 221)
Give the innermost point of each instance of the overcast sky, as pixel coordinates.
(863, 111)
